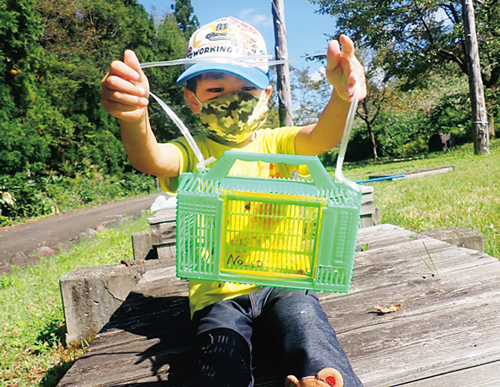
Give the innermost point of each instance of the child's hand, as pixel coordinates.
(343, 73)
(125, 89)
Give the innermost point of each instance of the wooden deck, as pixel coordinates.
(446, 334)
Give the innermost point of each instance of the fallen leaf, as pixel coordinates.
(388, 309)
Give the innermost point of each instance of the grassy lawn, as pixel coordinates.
(32, 329)
(468, 196)
(32, 348)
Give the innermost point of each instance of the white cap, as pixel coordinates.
(227, 38)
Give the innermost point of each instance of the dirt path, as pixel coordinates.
(27, 237)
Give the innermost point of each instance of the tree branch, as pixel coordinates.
(454, 58)
(493, 79)
(456, 18)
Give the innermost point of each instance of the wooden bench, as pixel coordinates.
(446, 333)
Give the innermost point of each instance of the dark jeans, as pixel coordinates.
(286, 327)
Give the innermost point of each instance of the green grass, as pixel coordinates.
(468, 196)
(32, 329)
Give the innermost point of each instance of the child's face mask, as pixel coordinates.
(232, 118)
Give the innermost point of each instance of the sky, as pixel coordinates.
(306, 28)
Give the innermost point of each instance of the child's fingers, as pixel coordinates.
(122, 70)
(118, 84)
(347, 45)
(352, 69)
(123, 112)
(116, 108)
(332, 55)
(131, 60)
(126, 98)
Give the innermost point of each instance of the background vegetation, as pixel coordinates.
(58, 143)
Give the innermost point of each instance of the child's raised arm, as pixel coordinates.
(342, 74)
(124, 95)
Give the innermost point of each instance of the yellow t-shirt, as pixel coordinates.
(281, 140)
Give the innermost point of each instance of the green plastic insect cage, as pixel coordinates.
(279, 232)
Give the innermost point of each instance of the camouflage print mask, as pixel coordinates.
(232, 118)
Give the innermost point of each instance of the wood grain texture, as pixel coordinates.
(445, 334)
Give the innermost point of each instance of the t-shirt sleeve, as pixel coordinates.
(170, 184)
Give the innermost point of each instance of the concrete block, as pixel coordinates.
(166, 254)
(141, 244)
(370, 213)
(91, 295)
(460, 236)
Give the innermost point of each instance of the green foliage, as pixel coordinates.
(309, 95)
(59, 146)
(187, 22)
(170, 44)
(451, 115)
(419, 36)
(35, 195)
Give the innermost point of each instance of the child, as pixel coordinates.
(232, 103)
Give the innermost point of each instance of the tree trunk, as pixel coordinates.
(491, 126)
(368, 122)
(479, 119)
(372, 137)
(283, 71)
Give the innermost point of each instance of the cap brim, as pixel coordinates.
(250, 74)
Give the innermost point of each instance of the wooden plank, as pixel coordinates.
(428, 172)
(129, 362)
(447, 326)
(356, 310)
(422, 346)
(383, 235)
(487, 375)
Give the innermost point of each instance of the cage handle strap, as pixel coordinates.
(319, 175)
(339, 175)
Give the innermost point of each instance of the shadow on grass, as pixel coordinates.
(55, 374)
(54, 335)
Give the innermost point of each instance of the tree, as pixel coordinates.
(369, 109)
(479, 120)
(21, 58)
(52, 125)
(419, 36)
(310, 93)
(81, 38)
(184, 15)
